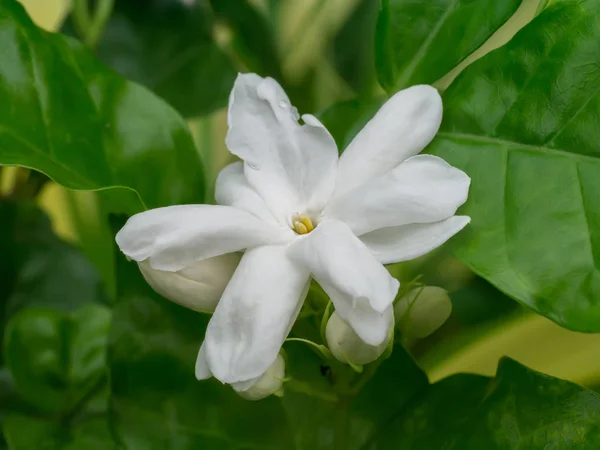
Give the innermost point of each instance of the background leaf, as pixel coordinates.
(418, 42)
(167, 46)
(519, 409)
(93, 130)
(522, 122)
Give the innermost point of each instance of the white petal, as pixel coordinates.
(361, 289)
(408, 242)
(202, 370)
(176, 236)
(403, 126)
(198, 286)
(422, 189)
(291, 166)
(232, 189)
(255, 314)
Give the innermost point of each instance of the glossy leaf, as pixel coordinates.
(418, 42)
(75, 120)
(157, 403)
(518, 409)
(523, 123)
(167, 46)
(55, 358)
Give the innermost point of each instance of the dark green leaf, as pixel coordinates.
(418, 42)
(519, 410)
(86, 127)
(522, 122)
(27, 432)
(55, 358)
(167, 46)
(37, 268)
(253, 36)
(353, 48)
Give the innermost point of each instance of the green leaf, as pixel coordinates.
(254, 39)
(522, 123)
(37, 268)
(157, 403)
(78, 122)
(418, 42)
(167, 46)
(24, 432)
(56, 358)
(518, 409)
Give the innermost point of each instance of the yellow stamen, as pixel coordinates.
(303, 225)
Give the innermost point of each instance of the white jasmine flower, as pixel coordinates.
(299, 211)
(346, 346)
(422, 311)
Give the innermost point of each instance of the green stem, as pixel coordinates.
(541, 6)
(81, 16)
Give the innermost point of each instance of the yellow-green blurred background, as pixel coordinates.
(304, 28)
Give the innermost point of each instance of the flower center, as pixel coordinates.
(302, 224)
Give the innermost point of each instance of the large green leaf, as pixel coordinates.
(56, 358)
(167, 46)
(37, 268)
(519, 410)
(523, 123)
(157, 402)
(417, 42)
(86, 127)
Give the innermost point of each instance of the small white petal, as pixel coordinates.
(232, 189)
(291, 166)
(198, 286)
(347, 347)
(255, 314)
(361, 289)
(202, 370)
(269, 383)
(395, 244)
(422, 189)
(423, 311)
(403, 127)
(175, 237)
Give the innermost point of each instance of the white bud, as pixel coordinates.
(347, 347)
(422, 311)
(198, 286)
(269, 383)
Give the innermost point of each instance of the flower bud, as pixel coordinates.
(198, 286)
(347, 347)
(269, 383)
(422, 311)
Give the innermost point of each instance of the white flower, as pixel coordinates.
(346, 346)
(422, 311)
(301, 212)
